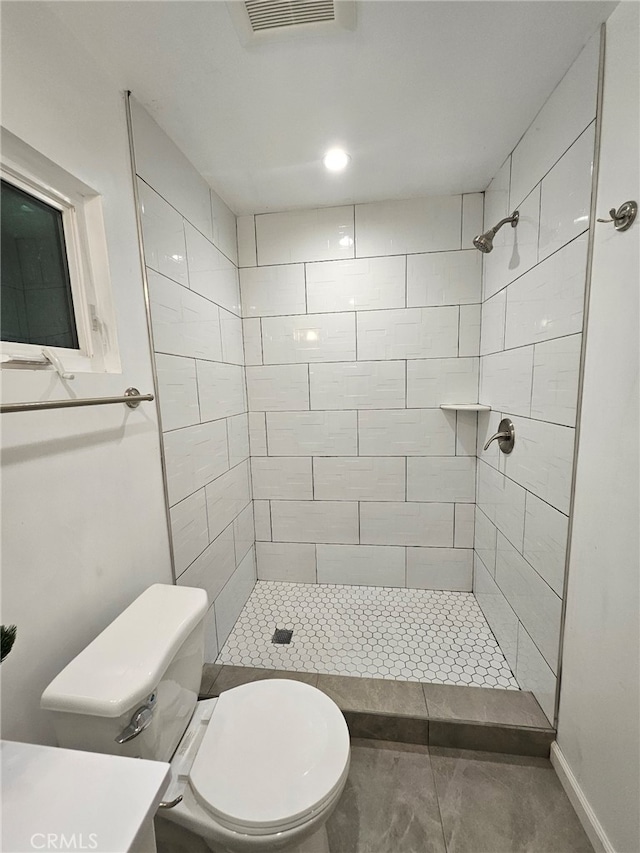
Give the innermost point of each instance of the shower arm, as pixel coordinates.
(513, 219)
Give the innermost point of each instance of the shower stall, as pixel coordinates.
(328, 387)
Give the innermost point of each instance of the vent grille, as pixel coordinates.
(275, 14)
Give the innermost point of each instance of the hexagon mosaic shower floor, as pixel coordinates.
(377, 632)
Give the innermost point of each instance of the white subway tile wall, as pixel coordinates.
(286, 561)
(190, 251)
(532, 323)
(440, 568)
(262, 520)
(354, 337)
(362, 565)
(311, 379)
(444, 278)
(356, 285)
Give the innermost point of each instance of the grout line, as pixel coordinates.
(266, 434)
(355, 236)
(283, 263)
(445, 846)
(255, 238)
(406, 281)
(375, 360)
(186, 219)
(539, 225)
(453, 541)
(552, 167)
(456, 433)
(200, 358)
(533, 373)
(261, 343)
(535, 266)
(306, 294)
(311, 314)
(406, 479)
(195, 368)
(509, 208)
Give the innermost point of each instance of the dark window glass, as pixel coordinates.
(36, 305)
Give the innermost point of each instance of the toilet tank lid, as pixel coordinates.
(124, 663)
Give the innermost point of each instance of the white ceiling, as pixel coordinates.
(428, 97)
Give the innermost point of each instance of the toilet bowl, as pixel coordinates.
(263, 767)
(258, 769)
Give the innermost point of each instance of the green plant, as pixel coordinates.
(7, 639)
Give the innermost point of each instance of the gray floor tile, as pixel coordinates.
(375, 696)
(389, 804)
(493, 803)
(232, 676)
(477, 704)
(209, 674)
(388, 727)
(491, 737)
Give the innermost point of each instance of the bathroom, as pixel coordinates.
(295, 461)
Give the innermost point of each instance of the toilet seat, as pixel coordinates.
(274, 753)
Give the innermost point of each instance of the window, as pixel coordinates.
(36, 305)
(55, 287)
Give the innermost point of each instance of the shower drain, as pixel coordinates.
(282, 636)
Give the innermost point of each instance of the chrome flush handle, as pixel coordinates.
(139, 722)
(171, 804)
(506, 436)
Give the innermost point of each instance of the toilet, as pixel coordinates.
(260, 768)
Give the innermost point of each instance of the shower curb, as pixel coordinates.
(479, 718)
(453, 734)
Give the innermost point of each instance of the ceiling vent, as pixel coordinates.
(274, 20)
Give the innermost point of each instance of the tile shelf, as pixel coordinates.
(465, 407)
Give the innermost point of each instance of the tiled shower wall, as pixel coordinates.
(532, 320)
(190, 252)
(360, 321)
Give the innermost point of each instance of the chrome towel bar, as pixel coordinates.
(131, 397)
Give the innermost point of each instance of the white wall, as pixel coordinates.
(599, 719)
(532, 320)
(84, 527)
(190, 251)
(359, 322)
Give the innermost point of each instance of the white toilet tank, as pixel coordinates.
(143, 671)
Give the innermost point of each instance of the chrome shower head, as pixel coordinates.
(484, 242)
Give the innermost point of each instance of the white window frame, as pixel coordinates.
(87, 260)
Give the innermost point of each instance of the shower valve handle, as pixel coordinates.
(506, 436)
(496, 437)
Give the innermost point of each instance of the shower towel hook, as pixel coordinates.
(624, 217)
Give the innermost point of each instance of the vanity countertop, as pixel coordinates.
(100, 802)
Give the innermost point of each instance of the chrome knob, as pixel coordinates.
(506, 436)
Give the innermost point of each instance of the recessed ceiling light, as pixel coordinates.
(336, 160)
